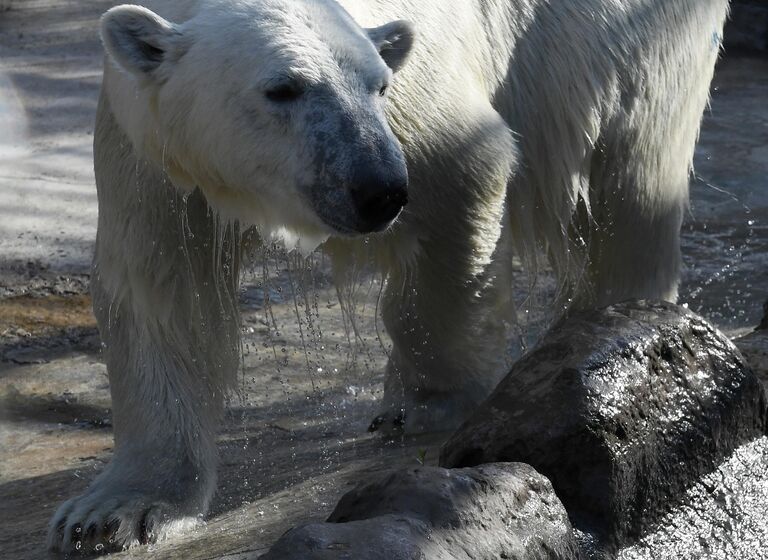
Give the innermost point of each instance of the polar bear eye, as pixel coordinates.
(284, 93)
(383, 90)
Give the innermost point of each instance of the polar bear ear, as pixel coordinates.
(393, 41)
(140, 41)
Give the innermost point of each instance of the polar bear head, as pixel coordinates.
(274, 108)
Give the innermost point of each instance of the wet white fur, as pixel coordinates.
(565, 127)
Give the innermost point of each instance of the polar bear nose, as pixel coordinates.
(378, 202)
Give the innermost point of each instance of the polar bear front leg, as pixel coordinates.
(448, 302)
(163, 285)
(170, 330)
(162, 474)
(449, 347)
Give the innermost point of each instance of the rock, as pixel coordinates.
(754, 348)
(623, 409)
(23, 355)
(747, 27)
(722, 516)
(504, 510)
(764, 322)
(390, 537)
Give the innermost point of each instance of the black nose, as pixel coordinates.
(379, 202)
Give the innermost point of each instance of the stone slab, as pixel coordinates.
(623, 409)
(504, 510)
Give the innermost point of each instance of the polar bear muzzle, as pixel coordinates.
(378, 200)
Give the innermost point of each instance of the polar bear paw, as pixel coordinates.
(438, 412)
(108, 519)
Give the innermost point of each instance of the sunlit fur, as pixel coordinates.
(557, 127)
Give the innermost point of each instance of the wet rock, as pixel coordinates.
(722, 517)
(754, 348)
(504, 510)
(623, 409)
(763, 326)
(24, 355)
(747, 27)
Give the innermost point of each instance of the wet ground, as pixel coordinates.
(294, 438)
(725, 237)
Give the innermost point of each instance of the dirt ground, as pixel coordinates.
(294, 437)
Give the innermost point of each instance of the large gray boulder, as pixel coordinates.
(754, 348)
(495, 511)
(623, 409)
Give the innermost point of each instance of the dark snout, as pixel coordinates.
(378, 198)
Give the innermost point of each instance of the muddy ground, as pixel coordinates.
(294, 437)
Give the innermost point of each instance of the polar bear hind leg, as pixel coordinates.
(643, 161)
(607, 144)
(642, 165)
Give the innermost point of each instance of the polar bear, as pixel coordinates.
(563, 127)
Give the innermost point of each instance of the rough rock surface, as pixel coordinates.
(623, 409)
(504, 510)
(754, 348)
(722, 516)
